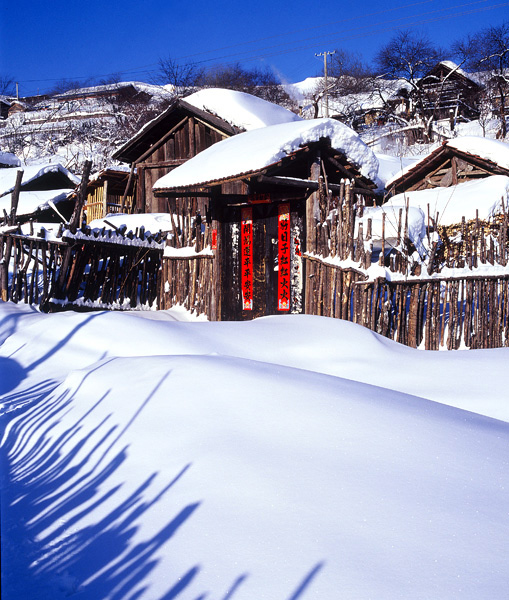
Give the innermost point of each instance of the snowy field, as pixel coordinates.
(293, 457)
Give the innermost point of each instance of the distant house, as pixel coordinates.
(5, 104)
(455, 161)
(447, 92)
(266, 193)
(186, 128)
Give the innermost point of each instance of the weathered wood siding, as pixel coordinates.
(190, 138)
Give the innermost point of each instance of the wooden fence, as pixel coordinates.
(188, 271)
(114, 269)
(469, 312)
(417, 303)
(433, 302)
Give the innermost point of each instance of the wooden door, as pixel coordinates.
(253, 282)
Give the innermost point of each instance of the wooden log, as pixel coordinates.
(81, 198)
(15, 197)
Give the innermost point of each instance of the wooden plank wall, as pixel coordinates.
(95, 204)
(189, 139)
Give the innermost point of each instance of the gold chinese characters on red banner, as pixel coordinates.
(246, 244)
(284, 257)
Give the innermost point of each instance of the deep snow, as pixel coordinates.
(287, 458)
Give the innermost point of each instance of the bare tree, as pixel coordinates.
(183, 78)
(67, 85)
(410, 56)
(7, 85)
(258, 82)
(488, 52)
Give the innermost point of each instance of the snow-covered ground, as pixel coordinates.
(295, 457)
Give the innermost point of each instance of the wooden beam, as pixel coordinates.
(161, 141)
(308, 184)
(175, 162)
(126, 191)
(15, 197)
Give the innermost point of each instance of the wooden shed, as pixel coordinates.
(447, 92)
(266, 195)
(455, 161)
(109, 191)
(186, 128)
(176, 135)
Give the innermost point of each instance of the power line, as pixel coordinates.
(306, 29)
(283, 48)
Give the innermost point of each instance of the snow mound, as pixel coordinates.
(462, 200)
(254, 150)
(155, 459)
(416, 225)
(240, 109)
(494, 150)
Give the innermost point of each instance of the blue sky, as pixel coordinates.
(43, 42)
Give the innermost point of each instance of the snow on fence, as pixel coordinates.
(453, 291)
(108, 268)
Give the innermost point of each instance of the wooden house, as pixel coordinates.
(455, 161)
(266, 195)
(447, 92)
(5, 105)
(186, 128)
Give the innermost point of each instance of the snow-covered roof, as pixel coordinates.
(462, 200)
(494, 150)
(240, 109)
(153, 90)
(254, 150)
(6, 158)
(32, 202)
(31, 173)
(486, 148)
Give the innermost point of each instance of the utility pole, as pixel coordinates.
(325, 54)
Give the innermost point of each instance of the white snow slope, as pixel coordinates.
(286, 458)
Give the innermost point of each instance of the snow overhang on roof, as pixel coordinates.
(253, 151)
(32, 202)
(9, 160)
(30, 174)
(240, 109)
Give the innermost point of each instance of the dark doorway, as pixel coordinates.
(257, 249)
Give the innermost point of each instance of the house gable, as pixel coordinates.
(444, 167)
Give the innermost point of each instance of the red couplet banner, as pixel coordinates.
(246, 257)
(283, 291)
